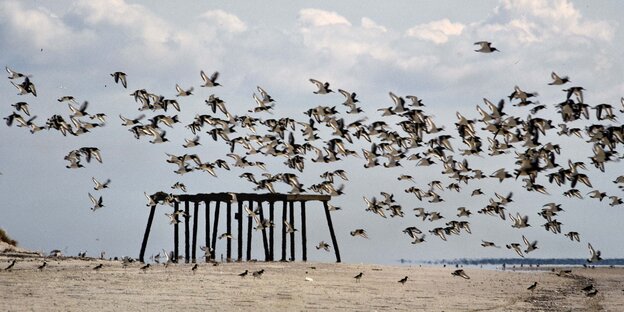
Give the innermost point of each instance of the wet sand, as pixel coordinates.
(73, 285)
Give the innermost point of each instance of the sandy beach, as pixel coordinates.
(71, 284)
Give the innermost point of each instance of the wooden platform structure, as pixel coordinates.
(229, 199)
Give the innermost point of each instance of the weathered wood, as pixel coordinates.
(304, 240)
(187, 235)
(148, 228)
(284, 210)
(266, 197)
(207, 254)
(331, 230)
(249, 231)
(175, 233)
(240, 231)
(229, 231)
(288, 213)
(271, 230)
(195, 220)
(265, 244)
(292, 234)
(214, 231)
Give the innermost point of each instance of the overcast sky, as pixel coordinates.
(423, 48)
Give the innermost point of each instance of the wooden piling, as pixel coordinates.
(240, 231)
(195, 220)
(214, 231)
(187, 235)
(292, 234)
(304, 240)
(229, 231)
(175, 233)
(284, 210)
(150, 218)
(207, 253)
(264, 235)
(331, 230)
(249, 231)
(271, 230)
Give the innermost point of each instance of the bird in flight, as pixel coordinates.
(323, 87)
(485, 47)
(120, 76)
(97, 203)
(460, 273)
(209, 81)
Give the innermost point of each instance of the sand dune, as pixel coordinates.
(73, 285)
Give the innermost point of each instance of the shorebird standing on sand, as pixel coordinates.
(358, 277)
(258, 274)
(403, 280)
(244, 274)
(41, 267)
(532, 287)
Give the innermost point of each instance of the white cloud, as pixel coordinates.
(319, 18)
(539, 20)
(226, 21)
(37, 27)
(368, 23)
(437, 32)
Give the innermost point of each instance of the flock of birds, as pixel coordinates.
(403, 136)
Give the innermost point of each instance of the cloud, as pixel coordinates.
(368, 23)
(319, 18)
(538, 21)
(226, 21)
(36, 28)
(437, 32)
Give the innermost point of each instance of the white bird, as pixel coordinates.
(486, 47)
(99, 186)
(209, 81)
(289, 227)
(558, 80)
(594, 254)
(120, 76)
(182, 92)
(97, 203)
(13, 74)
(323, 88)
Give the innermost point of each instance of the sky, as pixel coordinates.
(423, 48)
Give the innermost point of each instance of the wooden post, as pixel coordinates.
(304, 242)
(271, 230)
(147, 232)
(249, 231)
(229, 231)
(240, 231)
(187, 236)
(292, 234)
(207, 203)
(175, 233)
(331, 230)
(196, 216)
(264, 235)
(214, 231)
(284, 208)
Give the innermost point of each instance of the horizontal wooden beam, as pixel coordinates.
(231, 197)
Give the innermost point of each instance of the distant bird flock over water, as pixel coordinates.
(403, 136)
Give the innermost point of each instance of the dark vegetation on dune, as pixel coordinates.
(4, 237)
